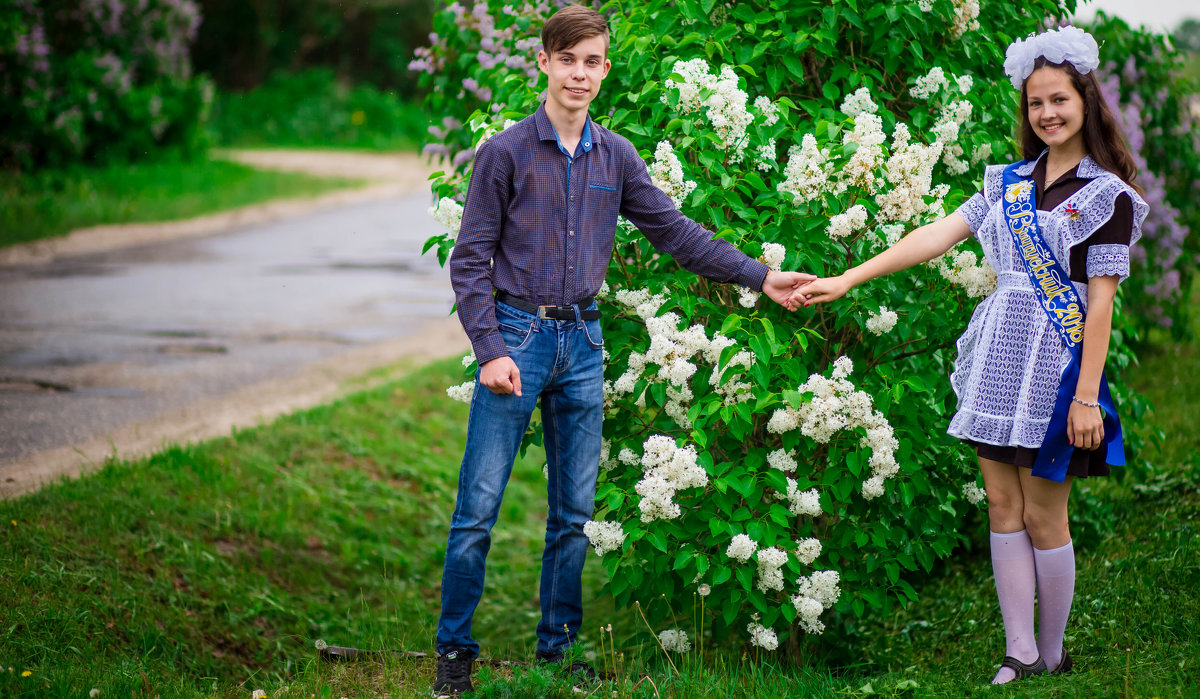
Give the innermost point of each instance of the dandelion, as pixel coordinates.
(95, 692)
(675, 641)
(703, 590)
(321, 645)
(26, 673)
(741, 548)
(258, 694)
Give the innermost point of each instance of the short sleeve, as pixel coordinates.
(974, 211)
(1107, 248)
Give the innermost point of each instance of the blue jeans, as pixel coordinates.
(563, 363)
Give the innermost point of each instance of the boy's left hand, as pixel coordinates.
(780, 285)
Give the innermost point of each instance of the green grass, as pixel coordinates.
(49, 203)
(209, 571)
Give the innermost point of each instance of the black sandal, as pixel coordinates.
(1024, 671)
(1064, 665)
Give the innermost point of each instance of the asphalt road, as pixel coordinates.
(93, 343)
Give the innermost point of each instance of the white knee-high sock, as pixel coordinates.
(1055, 591)
(1013, 567)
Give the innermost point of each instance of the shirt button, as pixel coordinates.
(570, 269)
(571, 232)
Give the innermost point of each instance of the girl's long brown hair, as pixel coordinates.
(1101, 138)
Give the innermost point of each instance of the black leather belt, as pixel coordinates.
(551, 312)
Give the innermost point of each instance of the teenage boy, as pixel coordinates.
(536, 237)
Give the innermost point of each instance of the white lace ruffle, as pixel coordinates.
(1010, 357)
(974, 211)
(1108, 261)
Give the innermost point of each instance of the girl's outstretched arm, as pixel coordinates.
(1085, 425)
(921, 245)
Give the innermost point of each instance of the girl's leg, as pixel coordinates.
(1012, 562)
(1054, 560)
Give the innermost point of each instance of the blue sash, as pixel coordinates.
(1057, 297)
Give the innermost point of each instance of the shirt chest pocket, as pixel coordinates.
(602, 202)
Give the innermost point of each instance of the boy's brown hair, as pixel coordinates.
(571, 25)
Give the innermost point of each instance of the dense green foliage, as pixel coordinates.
(873, 169)
(313, 109)
(88, 81)
(54, 202)
(242, 44)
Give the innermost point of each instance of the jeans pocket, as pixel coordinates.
(516, 337)
(591, 331)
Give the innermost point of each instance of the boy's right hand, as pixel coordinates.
(501, 376)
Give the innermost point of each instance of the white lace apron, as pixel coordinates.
(1010, 357)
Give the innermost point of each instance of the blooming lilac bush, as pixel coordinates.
(1145, 84)
(97, 80)
(790, 468)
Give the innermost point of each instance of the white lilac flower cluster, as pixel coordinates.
(668, 469)
(666, 172)
(845, 224)
(720, 98)
(468, 359)
(909, 170)
(815, 594)
(605, 536)
(808, 550)
(768, 109)
(674, 352)
(835, 405)
(973, 493)
(805, 503)
(741, 548)
(807, 171)
(762, 637)
(462, 392)
(770, 568)
(783, 460)
(675, 641)
(946, 130)
(965, 13)
(869, 136)
(448, 213)
(960, 268)
(765, 156)
(929, 84)
(881, 322)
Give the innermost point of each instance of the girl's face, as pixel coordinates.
(1055, 108)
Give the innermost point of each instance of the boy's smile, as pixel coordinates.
(575, 74)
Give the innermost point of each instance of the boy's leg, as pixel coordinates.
(572, 412)
(494, 431)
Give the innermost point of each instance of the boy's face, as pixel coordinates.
(575, 73)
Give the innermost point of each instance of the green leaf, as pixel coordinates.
(745, 576)
(657, 539)
(721, 573)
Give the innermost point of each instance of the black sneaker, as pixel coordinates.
(577, 668)
(453, 673)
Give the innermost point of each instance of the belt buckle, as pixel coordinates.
(541, 314)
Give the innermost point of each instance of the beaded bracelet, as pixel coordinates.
(1085, 403)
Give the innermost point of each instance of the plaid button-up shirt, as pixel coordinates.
(540, 225)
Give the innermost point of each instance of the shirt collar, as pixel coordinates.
(547, 132)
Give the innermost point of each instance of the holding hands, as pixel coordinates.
(782, 287)
(821, 290)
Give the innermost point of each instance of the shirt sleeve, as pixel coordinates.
(974, 211)
(670, 232)
(471, 261)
